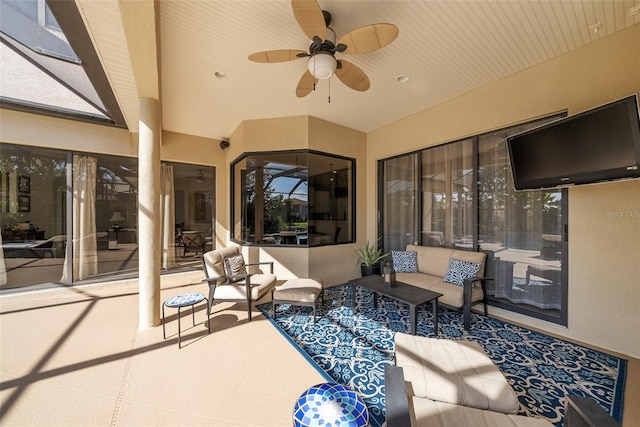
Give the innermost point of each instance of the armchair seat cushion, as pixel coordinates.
(453, 371)
(260, 284)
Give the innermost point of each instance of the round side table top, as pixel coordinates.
(184, 300)
(330, 404)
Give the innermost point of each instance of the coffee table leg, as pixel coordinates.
(375, 300)
(435, 315)
(412, 318)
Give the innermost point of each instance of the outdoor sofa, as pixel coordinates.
(437, 268)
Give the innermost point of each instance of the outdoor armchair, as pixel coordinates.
(231, 279)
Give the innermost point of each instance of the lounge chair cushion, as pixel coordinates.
(430, 413)
(453, 371)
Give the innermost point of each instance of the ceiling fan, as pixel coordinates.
(322, 63)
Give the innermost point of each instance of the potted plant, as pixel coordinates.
(369, 257)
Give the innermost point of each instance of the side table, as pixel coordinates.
(185, 300)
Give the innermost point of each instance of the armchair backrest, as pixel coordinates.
(213, 261)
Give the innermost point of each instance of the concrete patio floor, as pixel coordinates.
(75, 357)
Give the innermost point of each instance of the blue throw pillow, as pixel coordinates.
(460, 270)
(405, 261)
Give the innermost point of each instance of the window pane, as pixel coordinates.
(447, 195)
(194, 188)
(33, 214)
(400, 217)
(292, 198)
(330, 196)
(116, 215)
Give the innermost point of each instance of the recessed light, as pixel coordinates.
(403, 78)
(220, 74)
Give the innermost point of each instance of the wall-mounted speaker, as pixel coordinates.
(224, 144)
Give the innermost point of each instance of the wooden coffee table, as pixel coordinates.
(402, 292)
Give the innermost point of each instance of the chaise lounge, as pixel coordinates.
(448, 382)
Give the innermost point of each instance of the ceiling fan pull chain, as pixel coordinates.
(329, 81)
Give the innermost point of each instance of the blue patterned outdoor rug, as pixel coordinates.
(353, 349)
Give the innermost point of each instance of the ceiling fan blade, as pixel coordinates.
(271, 56)
(353, 77)
(310, 18)
(305, 85)
(369, 38)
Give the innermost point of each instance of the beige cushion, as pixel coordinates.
(435, 261)
(301, 290)
(260, 284)
(453, 371)
(214, 260)
(429, 413)
(432, 260)
(452, 295)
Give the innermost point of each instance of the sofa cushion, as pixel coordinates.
(432, 260)
(453, 371)
(404, 261)
(435, 261)
(460, 270)
(452, 295)
(430, 413)
(420, 280)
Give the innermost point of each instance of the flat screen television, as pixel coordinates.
(598, 145)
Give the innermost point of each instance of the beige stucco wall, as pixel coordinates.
(604, 254)
(32, 129)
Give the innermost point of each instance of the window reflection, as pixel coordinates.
(293, 198)
(91, 226)
(32, 215)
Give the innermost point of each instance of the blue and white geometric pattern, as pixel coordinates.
(184, 300)
(330, 405)
(352, 349)
(405, 261)
(460, 270)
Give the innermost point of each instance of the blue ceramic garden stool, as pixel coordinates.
(185, 300)
(330, 405)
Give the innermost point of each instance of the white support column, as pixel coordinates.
(149, 212)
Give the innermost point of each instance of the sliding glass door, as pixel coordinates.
(73, 217)
(522, 234)
(460, 195)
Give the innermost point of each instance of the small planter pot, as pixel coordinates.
(369, 270)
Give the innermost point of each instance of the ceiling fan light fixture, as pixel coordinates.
(322, 65)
